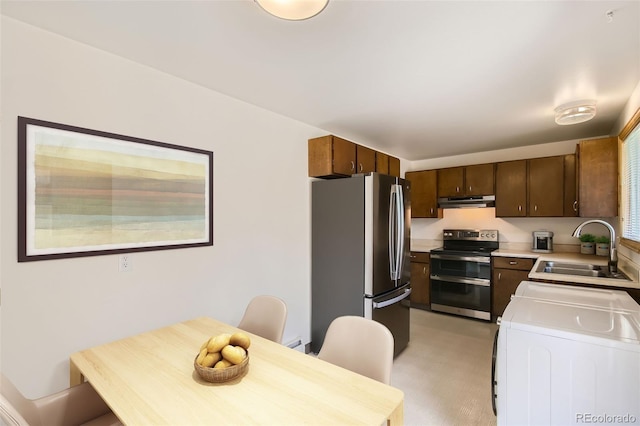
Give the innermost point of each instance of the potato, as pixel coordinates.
(235, 354)
(240, 339)
(201, 355)
(204, 345)
(223, 363)
(211, 359)
(218, 342)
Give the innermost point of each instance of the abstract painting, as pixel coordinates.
(85, 192)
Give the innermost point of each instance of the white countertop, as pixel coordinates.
(425, 245)
(515, 253)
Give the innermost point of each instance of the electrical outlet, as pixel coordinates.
(124, 263)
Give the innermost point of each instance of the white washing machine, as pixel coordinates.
(569, 356)
(584, 296)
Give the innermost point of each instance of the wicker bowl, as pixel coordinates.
(219, 375)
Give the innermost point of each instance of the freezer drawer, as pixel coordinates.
(392, 310)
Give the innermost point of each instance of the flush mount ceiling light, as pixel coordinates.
(575, 112)
(293, 10)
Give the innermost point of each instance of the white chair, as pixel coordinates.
(360, 345)
(265, 316)
(77, 405)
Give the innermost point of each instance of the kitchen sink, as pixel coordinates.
(579, 269)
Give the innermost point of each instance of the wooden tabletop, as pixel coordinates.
(149, 379)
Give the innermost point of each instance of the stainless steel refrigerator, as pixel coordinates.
(360, 263)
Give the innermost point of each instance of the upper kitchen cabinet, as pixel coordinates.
(382, 163)
(365, 159)
(533, 188)
(424, 197)
(479, 179)
(597, 177)
(387, 164)
(511, 189)
(465, 181)
(331, 156)
(394, 166)
(570, 192)
(546, 187)
(334, 157)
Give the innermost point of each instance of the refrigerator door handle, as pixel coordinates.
(396, 232)
(392, 237)
(378, 305)
(400, 231)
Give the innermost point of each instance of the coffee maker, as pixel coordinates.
(543, 241)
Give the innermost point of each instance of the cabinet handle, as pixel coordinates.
(535, 208)
(431, 210)
(469, 188)
(353, 166)
(457, 189)
(513, 262)
(519, 208)
(575, 206)
(499, 276)
(424, 270)
(361, 168)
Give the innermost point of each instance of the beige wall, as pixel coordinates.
(53, 308)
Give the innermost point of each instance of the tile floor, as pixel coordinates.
(445, 372)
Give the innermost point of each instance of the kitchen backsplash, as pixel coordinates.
(515, 233)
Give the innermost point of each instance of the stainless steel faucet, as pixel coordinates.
(613, 255)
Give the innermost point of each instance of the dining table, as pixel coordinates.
(150, 379)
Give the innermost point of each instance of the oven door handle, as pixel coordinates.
(461, 280)
(478, 259)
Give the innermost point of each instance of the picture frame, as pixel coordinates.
(84, 192)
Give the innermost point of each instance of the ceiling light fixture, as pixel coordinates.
(575, 112)
(293, 10)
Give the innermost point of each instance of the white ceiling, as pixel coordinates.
(416, 79)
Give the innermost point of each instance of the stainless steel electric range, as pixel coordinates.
(461, 272)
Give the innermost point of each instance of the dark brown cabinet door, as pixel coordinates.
(546, 187)
(331, 156)
(598, 177)
(394, 166)
(344, 156)
(511, 189)
(382, 163)
(505, 282)
(424, 200)
(508, 272)
(479, 179)
(420, 284)
(366, 159)
(451, 182)
(570, 194)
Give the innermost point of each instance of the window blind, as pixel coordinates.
(631, 186)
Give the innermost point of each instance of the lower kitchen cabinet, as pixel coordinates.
(420, 284)
(508, 272)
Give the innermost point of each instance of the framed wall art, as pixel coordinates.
(85, 192)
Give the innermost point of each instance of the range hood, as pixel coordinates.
(466, 202)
